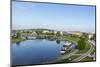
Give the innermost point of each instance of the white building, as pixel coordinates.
(55, 32)
(29, 35)
(61, 32)
(90, 36)
(45, 31)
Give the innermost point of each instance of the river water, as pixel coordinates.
(35, 51)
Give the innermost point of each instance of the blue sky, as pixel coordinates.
(53, 16)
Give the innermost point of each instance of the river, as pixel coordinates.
(35, 51)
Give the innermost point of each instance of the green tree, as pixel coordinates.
(85, 35)
(18, 35)
(52, 33)
(38, 32)
(58, 33)
(82, 43)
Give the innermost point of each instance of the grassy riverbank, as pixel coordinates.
(17, 40)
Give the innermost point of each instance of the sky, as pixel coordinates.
(26, 15)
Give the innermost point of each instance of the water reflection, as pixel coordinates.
(58, 41)
(35, 51)
(18, 43)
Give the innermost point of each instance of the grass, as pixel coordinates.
(64, 61)
(82, 51)
(67, 60)
(93, 51)
(85, 50)
(73, 57)
(86, 59)
(17, 40)
(71, 39)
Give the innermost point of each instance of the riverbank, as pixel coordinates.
(53, 37)
(72, 56)
(64, 58)
(76, 55)
(17, 40)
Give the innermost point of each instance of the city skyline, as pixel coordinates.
(26, 15)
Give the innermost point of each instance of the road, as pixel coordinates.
(66, 56)
(92, 42)
(85, 54)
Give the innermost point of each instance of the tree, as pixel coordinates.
(58, 41)
(18, 35)
(85, 35)
(93, 38)
(52, 33)
(58, 33)
(38, 32)
(82, 43)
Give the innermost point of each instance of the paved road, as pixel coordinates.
(92, 42)
(63, 57)
(86, 54)
(73, 53)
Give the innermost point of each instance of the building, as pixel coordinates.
(14, 33)
(77, 33)
(31, 35)
(74, 33)
(61, 33)
(55, 32)
(90, 36)
(45, 31)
